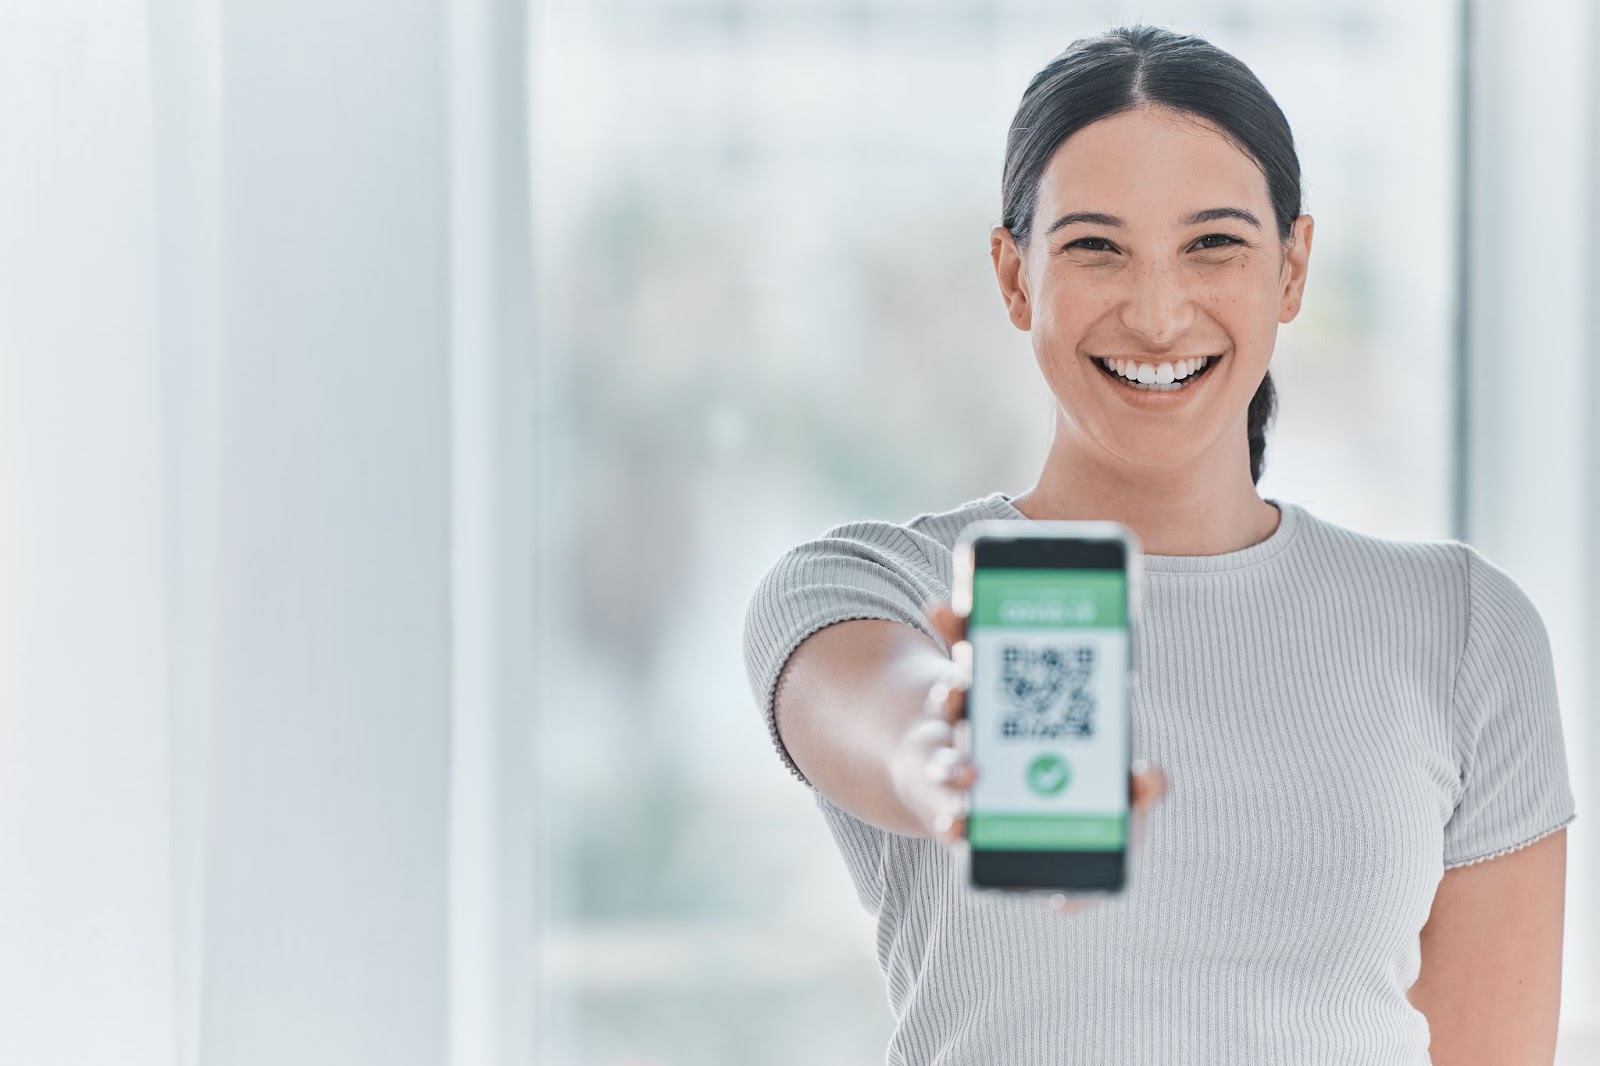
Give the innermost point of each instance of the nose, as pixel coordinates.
(1157, 306)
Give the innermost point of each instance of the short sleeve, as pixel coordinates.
(862, 569)
(1507, 724)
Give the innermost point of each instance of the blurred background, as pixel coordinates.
(399, 400)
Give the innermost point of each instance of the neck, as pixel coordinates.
(1206, 506)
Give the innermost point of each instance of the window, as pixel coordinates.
(767, 305)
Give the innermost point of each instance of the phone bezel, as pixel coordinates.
(1065, 531)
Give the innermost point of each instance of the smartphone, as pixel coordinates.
(1052, 610)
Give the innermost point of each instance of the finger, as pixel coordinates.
(1063, 904)
(1152, 786)
(942, 764)
(950, 625)
(948, 767)
(1146, 787)
(946, 700)
(950, 827)
(927, 735)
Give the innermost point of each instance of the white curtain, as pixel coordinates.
(1532, 333)
(262, 292)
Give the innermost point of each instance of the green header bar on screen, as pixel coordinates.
(1043, 598)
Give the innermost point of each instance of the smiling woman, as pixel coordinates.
(1149, 164)
(1151, 280)
(1348, 723)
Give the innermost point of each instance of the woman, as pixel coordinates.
(1362, 857)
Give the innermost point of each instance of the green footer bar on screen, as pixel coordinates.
(1048, 832)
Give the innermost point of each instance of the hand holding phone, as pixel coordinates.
(934, 779)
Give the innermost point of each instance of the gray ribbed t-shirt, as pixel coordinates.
(1341, 718)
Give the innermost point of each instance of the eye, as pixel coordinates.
(1223, 237)
(1091, 244)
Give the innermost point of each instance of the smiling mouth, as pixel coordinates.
(1174, 385)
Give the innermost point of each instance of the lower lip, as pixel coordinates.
(1153, 393)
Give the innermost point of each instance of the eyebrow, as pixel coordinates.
(1210, 214)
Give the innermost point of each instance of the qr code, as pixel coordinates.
(1047, 692)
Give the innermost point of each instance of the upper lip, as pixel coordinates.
(1156, 360)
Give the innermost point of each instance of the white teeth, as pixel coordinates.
(1156, 373)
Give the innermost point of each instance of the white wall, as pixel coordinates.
(85, 902)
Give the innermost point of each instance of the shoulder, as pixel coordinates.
(924, 540)
(1444, 580)
(1432, 574)
(1504, 628)
(870, 563)
(941, 528)
(1495, 597)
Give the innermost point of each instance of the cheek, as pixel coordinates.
(1063, 313)
(1061, 325)
(1244, 299)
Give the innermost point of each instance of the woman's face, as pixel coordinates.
(1153, 241)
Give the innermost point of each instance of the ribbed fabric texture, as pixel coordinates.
(1341, 718)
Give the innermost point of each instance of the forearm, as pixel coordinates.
(845, 700)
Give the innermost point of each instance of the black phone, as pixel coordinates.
(1052, 610)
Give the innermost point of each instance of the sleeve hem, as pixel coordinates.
(771, 702)
(1451, 865)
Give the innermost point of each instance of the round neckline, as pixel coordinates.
(1290, 519)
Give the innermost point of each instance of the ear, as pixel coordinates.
(1296, 260)
(1010, 267)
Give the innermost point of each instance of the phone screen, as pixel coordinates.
(1048, 713)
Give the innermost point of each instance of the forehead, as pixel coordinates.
(1150, 165)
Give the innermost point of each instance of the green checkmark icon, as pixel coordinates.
(1048, 774)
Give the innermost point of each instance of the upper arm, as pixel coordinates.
(1490, 983)
(1506, 724)
(1490, 979)
(854, 572)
